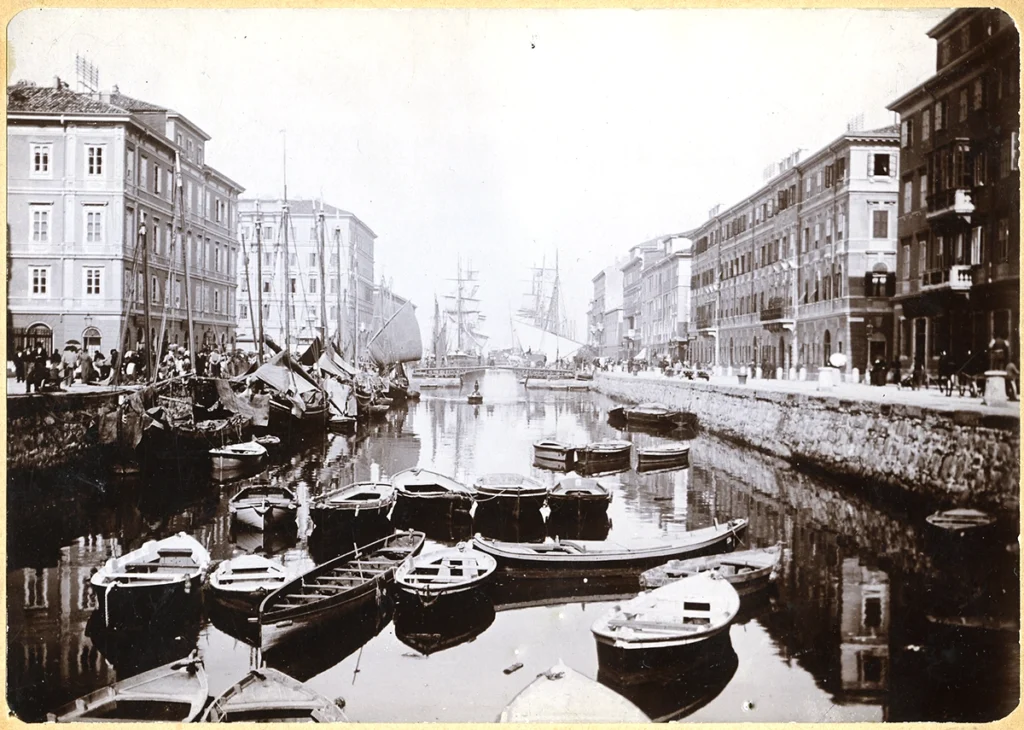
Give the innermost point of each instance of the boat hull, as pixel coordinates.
(554, 453)
(148, 606)
(510, 502)
(630, 664)
(583, 507)
(241, 602)
(264, 518)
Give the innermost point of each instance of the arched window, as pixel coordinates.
(92, 340)
(39, 334)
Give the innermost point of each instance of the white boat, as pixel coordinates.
(665, 625)
(445, 572)
(747, 570)
(175, 692)
(238, 456)
(155, 584)
(359, 500)
(267, 695)
(564, 696)
(263, 506)
(243, 582)
(422, 485)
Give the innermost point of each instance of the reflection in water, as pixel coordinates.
(845, 633)
(442, 625)
(496, 521)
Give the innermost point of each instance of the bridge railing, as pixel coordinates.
(521, 372)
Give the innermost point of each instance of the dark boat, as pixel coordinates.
(474, 399)
(747, 570)
(554, 452)
(601, 456)
(511, 491)
(362, 500)
(580, 557)
(652, 414)
(344, 584)
(297, 402)
(152, 585)
(445, 572)
(662, 456)
(421, 485)
(267, 695)
(667, 625)
(578, 496)
(175, 692)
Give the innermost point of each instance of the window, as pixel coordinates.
(216, 258)
(158, 183)
(40, 217)
(1014, 149)
(964, 104)
(840, 172)
(293, 259)
(40, 281)
(922, 256)
(879, 224)
(978, 101)
(154, 290)
(940, 115)
(243, 312)
(266, 286)
(926, 124)
(908, 195)
(980, 168)
(880, 165)
(268, 258)
(334, 285)
(906, 261)
(41, 160)
(1003, 240)
(312, 260)
(807, 186)
(177, 293)
(144, 172)
(94, 160)
(923, 192)
(291, 286)
(93, 224)
(93, 282)
(268, 233)
(977, 244)
(907, 133)
(216, 301)
(312, 285)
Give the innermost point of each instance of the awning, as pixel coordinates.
(642, 355)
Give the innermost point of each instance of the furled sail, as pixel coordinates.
(398, 340)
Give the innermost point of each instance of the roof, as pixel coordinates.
(951, 20)
(134, 105)
(31, 99)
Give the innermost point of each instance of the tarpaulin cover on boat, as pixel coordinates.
(281, 374)
(332, 363)
(398, 340)
(257, 407)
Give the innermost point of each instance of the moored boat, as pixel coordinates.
(563, 695)
(332, 590)
(267, 695)
(550, 450)
(237, 456)
(581, 557)
(474, 399)
(603, 455)
(666, 625)
(662, 456)
(243, 582)
(422, 485)
(359, 500)
(445, 572)
(152, 585)
(175, 692)
(513, 491)
(263, 506)
(747, 570)
(579, 496)
(651, 414)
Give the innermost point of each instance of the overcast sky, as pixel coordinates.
(498, 135)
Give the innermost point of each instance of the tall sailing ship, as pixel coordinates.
(541, 332)
(458, 338)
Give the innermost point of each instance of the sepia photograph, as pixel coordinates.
(555, 365)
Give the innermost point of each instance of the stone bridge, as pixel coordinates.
(458, 371)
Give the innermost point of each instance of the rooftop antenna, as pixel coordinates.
(87, 75)
(856, 123)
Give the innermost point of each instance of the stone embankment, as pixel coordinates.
(945, 457)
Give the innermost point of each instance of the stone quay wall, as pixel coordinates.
(46, 430)
(956, 458)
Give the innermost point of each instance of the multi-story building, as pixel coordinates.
(632, 314)
(804, 267)
(958, 273)
(665, 298)
(605, 314)
(92, 205)
(344, 276)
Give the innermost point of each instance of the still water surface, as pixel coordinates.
(860, 626)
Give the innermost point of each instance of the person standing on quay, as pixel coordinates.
(19, 366)
(69, 358)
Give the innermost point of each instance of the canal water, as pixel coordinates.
(873, 617)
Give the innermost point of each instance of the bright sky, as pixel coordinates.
(498, 135)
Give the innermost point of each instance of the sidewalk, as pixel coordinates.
(925, 397)
(15, 388)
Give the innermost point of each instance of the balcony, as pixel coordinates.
(777, 315)
(955, 278)
(705, 323)
(953, 202)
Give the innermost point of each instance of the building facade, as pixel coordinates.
(803, 268)
(344, 276)
(665, 299)
(92, 206)
(958, 272)
(605, 315)
(632, 297)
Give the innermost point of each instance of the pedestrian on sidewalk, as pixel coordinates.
(68, 360)
(19, 366)
(1012, 387)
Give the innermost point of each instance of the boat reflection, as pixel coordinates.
(438, 523)
(570, 527)
(442, 625)
(324, 544)
(678, 691)
(133, 652)
(263, 542)
(497, 523)
(514, 592)
(315, 652)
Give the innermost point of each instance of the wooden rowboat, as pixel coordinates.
(175, 692)
(243, 582)
(575, 495)
(562, 695)
(445, 572)
(667, 624)
(960, 520)
(652, 414)
(475, 399)
(515, 491)
(267, 695)
(339, 586)
(549, 450)
(583, 557)
(662, 455)
(602, 455)
(263, 506)
(747, 570)
(154, 584)
(238, 456)
(362, 499)
(422, 485)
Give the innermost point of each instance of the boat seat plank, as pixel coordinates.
(426, 580)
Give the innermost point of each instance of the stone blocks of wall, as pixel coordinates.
(948, 458)
(51, 430)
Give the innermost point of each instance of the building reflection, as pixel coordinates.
(864, 631)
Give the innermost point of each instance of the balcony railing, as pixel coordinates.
(705, 323)
(776, 312)
(956, 278)
(955, 201)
